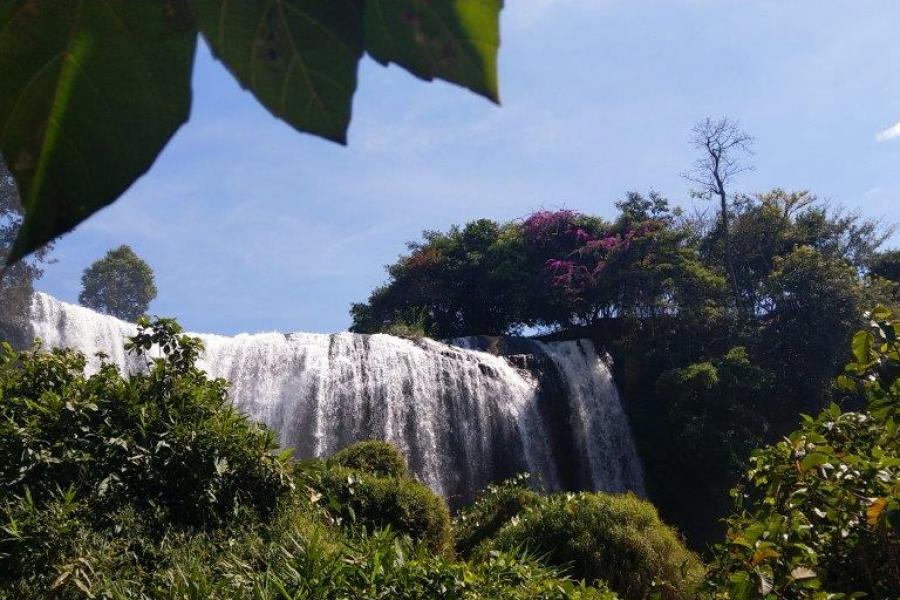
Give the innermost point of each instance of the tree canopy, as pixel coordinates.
(561, 268)
(119, 284)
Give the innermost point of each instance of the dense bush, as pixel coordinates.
(362, 499)
(161, 450)
(166, 439)
(716, 400)
(818, 514)
(383, 566)
(297, 553)
(372, 456)
(493, 509)
(596, 537)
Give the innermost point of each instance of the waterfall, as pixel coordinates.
(462, 417)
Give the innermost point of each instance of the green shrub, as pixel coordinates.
(491, 511)
(367, 485)
(166, 439)
(77, 451)
(413, 332)
(818, 515)
(372, 502)
(389, 568)
(305, 563)
(372, 456)
(294, 554)
(616, 539)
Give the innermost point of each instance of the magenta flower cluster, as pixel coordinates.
(543, 227)
(582, 256)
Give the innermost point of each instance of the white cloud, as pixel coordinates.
(891, 133)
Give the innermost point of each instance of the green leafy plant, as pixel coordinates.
(493, 509)
(818, 515)
(76, 450)
(413, 331)
(92, 91)
(614, 540)
(372, 456)
(363, 499)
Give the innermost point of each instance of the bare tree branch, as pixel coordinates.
(723, 146)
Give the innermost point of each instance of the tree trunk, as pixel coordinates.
(726, 239)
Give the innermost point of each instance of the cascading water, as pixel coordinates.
(462, 417)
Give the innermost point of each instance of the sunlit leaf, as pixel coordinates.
(93, 90)
(814, 460)
(881, 313)
(800, 573)
(862, 346)
(762, 555)
(298, 57)
(453, 40)
(874, 510)
(91, 93)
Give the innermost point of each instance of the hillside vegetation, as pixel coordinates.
(154, 486)
(707, 375)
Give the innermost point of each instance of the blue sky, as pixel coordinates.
(251, 226)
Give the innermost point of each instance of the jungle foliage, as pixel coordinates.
(618, 540)
(154, 486)
(817, 515)
(562, 269)
(708, 377)
(93, 91)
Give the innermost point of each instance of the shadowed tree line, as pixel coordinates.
(16, 281)
(711, 366)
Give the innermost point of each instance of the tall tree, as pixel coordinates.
(723, 146)
(119, 284)
(16, 281)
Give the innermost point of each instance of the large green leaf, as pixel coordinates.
(298, 57)
(91, 92)
(862, 345)
(454, 40)
(93, 89)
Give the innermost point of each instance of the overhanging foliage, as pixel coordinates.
(93, 90)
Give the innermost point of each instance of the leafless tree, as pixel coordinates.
(723, 147)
